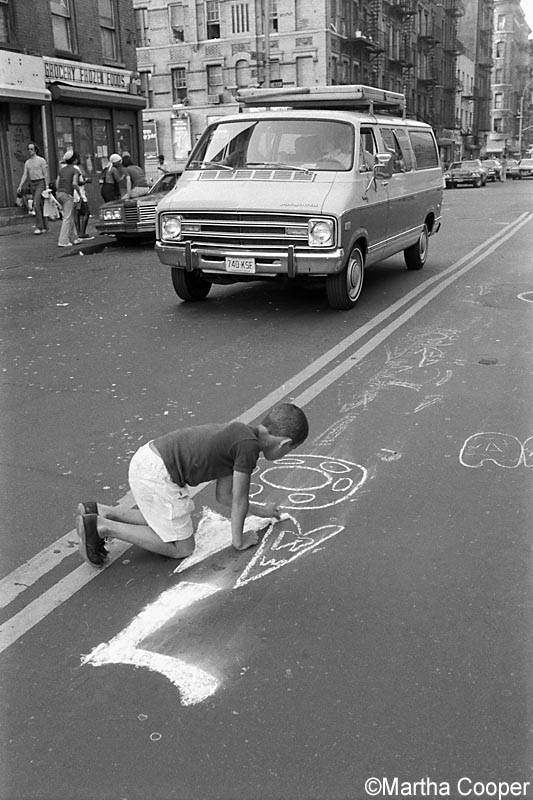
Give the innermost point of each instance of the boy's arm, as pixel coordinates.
(239, 510)
(24, 178)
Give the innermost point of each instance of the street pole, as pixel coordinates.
(266, 68)
(521, 118)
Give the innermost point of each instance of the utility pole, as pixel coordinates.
(266, 66)
(521, 118)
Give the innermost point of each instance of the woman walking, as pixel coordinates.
(67, 184)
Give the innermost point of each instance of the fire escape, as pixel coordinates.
(367, 43)
(401, 50)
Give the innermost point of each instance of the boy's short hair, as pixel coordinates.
(289, 421)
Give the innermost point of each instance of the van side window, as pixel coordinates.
(424, 148)
(401, 161)
(367, 150)
(402, 138)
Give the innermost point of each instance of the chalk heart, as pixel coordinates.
(279, 548)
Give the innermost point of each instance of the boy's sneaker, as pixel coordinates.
(86, 237)
(89, 545)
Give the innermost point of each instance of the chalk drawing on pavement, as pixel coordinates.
(502, 449)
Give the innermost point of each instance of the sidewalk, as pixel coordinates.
(17, 241)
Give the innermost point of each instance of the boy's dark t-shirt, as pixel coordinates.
(207, 452)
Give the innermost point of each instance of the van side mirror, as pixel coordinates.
(383, 168)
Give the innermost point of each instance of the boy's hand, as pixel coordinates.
(268, 510)
(249, 539)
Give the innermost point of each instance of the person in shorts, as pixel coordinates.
(161, 472)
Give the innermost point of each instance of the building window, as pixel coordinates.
(501, 22)
(108, 29)
(141, 27)
(242, 74)
(240, 21)
(179, 84)
(215, 83)
(6, 21)
(146, 86)
(273, 17)
(176, 17)
(498, 125)
(500, 49)
(498, 100)
(212, 15)
(498, 75)
(62, 25)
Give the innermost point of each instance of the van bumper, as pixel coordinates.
(268, 263)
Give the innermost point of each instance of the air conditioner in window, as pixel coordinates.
(213, 98)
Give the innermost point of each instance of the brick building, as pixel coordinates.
(68, 79)
(193, 56)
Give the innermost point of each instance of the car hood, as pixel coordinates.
(250, 195)
(144, 199)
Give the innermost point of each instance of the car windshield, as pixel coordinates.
(464, 164)
(164, 184)
(300, 144)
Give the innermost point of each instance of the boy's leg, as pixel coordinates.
(143, 536)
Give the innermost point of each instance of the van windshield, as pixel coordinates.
(280, 144)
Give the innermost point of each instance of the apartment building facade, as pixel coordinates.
(194, 56)
(512, 85)
(68, 79)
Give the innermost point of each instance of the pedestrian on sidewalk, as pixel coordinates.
(67, 184)
(136, 183)
(37, 175)
(81, 206)
(110, 179)
(161, 472)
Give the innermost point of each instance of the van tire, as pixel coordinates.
(416, 256)
(189, 286)
(344, 288)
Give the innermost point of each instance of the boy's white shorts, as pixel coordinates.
(166, 507)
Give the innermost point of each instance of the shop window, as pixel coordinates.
(212, 13)
(108, 29)
(64, 136)
(101, 131)
(141, 27)
(62, 25)
(176, 21)
(240, 21)
(179, 84)
(215, 84)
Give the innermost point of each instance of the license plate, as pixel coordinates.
(246, 265)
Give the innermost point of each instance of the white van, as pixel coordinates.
(321, 185)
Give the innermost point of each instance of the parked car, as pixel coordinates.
(494, 169)
(512, 168)
(466, 172)
(133, 220)
(525, 168)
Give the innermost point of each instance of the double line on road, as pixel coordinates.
(37, 567)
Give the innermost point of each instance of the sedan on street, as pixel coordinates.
(525, 168)
(134, 219)
(462, 173)
(494, 168)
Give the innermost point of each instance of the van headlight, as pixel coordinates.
(321, 232)
(171, 227)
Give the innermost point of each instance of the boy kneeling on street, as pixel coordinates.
(161, 471)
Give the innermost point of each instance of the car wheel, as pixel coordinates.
(416, 256)
(189, 286)
(343, 289)
(478, 183)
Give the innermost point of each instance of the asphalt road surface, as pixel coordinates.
(378, 641)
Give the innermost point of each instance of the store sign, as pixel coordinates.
(88, 76)
(181, 137)
(150, 137)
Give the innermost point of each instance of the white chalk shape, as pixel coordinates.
(503, 449)
(193, 683)
(280, 547)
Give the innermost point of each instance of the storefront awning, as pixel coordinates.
(93, 97)
(16, 94)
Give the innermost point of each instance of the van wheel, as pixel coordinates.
(343, 289)
(189, 285)
(416, 256)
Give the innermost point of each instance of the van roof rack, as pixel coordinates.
(354, 97)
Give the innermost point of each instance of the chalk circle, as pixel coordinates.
(334, 466)
(254, 490)
(155, 736)
(526, 296)
(142, 717)
(318, 480)
(301, 497)
(310, 482)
